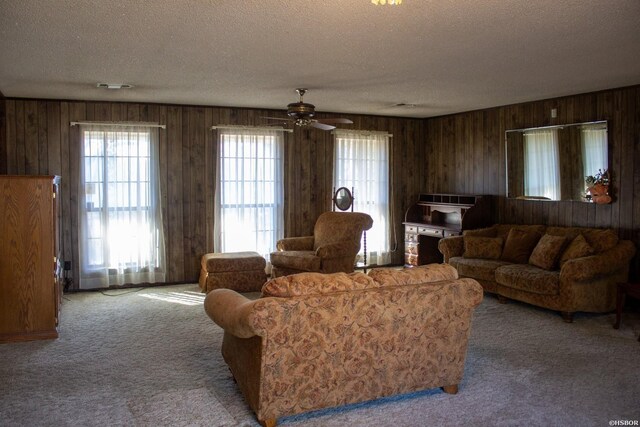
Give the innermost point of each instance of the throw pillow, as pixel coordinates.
(519, 244)
(415, 275)
(316, 283)
(576, 249)
(547, 251)
(482, 247)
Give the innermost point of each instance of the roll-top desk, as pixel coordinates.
(435, 216)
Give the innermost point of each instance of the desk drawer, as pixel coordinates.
(410, 229)
(430, 232)
(408, 237)
(411, 248)
(411, 259)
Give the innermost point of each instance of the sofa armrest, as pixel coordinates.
(451, 246)
(609, 261)
(295, 244)
(231, 311)
(337, 250)
(471, 292)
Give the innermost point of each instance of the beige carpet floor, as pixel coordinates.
(152, 358)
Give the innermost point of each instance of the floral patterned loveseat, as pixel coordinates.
(321, 340)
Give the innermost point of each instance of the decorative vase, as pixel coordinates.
(600, 194)
(602, 200)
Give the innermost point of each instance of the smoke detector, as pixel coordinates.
(114, 86)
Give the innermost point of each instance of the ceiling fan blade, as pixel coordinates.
(337, 120)
(278, 118)
(322, 126)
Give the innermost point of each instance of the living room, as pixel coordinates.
(442, 141)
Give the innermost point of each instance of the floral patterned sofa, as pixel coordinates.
(567, 269)
(321, 340)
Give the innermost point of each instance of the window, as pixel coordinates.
(595, 152)
(121, 239)
(249, 197)
(361, 162)
(541, 164)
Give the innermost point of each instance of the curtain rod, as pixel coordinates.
(281, 129)
(597, 122)
(362, 132)
(123, 124)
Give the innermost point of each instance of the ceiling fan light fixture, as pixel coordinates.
(301, 114)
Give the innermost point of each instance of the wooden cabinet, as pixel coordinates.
(29, 262)
(435, 216)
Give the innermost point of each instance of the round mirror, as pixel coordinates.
(343, 198)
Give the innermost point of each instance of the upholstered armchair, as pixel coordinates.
(332, 248)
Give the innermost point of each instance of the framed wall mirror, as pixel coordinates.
(552, 162)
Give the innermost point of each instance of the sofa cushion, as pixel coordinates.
(482, 232)
(480, 269)
(415, 275)
(600, 239)
(578, 248)
(529, 278)
(316, 283)
(482, 247)
(502, 230)
(569, 232)
(547, 252)
(297, 260)
(519, 245)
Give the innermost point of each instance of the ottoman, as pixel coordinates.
(240, 271)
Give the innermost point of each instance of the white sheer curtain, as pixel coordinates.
(249, 201)
(541, 164)
(121, 233)
(361, 162)
(595, 154)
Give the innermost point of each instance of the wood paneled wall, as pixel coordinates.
(460, 153)
(3, 134)
(40, 140)
(465, 153)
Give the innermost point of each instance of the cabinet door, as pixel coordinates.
(27, 306)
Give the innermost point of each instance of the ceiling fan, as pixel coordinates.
(302, 114)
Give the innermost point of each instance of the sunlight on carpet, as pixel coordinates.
(184, 297)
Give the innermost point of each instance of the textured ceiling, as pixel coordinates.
(444, 56)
